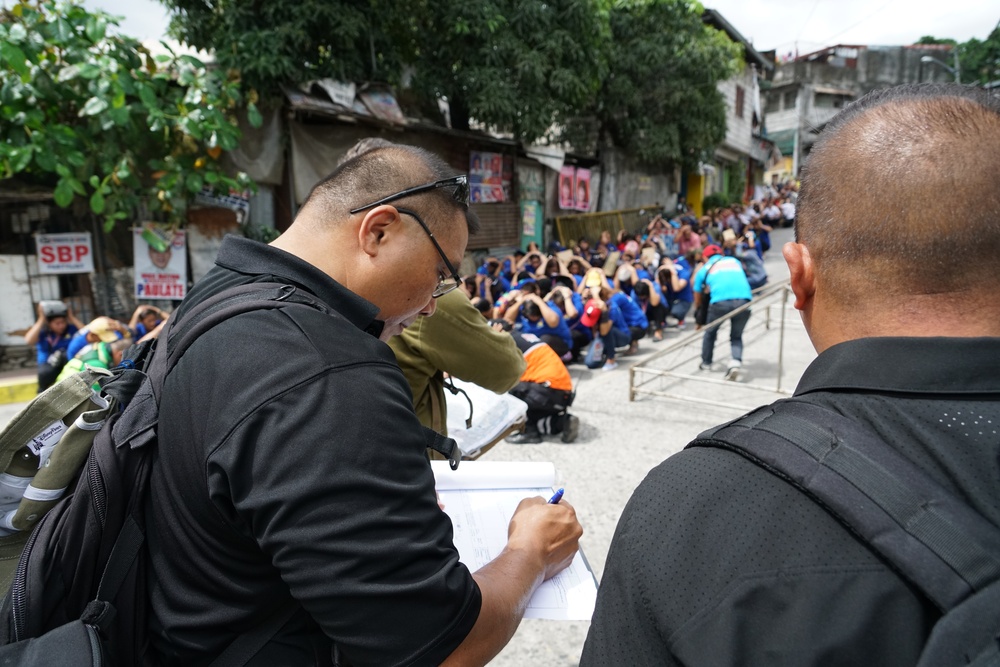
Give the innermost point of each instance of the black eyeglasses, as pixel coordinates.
(460, 193)
(445, 284)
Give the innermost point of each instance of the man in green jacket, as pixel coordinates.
(456, 340)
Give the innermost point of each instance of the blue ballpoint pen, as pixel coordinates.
(556, 497)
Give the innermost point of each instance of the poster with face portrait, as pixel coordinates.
(581, 190)
(490, 175)
(566, 177)
(160, 262)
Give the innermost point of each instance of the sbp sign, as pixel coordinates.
(65, 253)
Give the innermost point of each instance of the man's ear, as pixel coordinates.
(374, 226)
(802, 273)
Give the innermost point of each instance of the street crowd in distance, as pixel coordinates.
(642, 283)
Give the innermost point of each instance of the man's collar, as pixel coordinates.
(257, 259)
(907, 365)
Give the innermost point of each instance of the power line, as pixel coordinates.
(811, 12)
(877, 11)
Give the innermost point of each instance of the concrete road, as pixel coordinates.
(620, 441)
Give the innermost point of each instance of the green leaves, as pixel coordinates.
(112, 130)
(15, 58)
(94, 106)
(253, 115)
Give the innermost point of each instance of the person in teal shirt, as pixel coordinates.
(728, 290)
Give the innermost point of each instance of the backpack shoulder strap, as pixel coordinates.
(180, 335)
(929, 536)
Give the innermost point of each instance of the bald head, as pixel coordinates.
(901, 195)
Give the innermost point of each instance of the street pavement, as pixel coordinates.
(620, 441)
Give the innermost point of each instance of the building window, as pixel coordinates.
(739, 101)
(773, 104)
(789, 99)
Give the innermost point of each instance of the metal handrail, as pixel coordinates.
(644, 372)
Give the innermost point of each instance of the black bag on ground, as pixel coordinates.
(79, 591)
(934, 539)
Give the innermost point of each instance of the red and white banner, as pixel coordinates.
(65, 253)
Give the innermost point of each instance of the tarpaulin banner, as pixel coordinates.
(160, 262)
(65, 253)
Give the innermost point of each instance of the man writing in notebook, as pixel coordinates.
(717, 561)
(291, 468)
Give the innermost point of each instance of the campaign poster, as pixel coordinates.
(65, 253)
(566, 178)
(160, 262)
(489, 177)
(581, 190)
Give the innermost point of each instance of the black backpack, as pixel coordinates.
(933, 539)
(79, 593)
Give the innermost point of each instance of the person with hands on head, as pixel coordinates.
(302, 483)
(606, 322)
(647, 295)
(51, 334)
(145, 319)
(674, 277)
(537, 317)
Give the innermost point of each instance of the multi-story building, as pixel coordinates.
(810, 90)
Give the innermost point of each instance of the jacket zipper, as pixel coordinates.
(17, 589)
(97, 491)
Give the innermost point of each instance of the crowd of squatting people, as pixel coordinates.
(597, 300)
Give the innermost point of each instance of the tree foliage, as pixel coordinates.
(659, 101)
(275, 42)
(112, 128)
(644, 70)
(522, 66)
(979, 59)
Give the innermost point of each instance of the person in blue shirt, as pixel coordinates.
(103, 329)
(537, 317)
(674, 280)
(630, 318)
(728, 290)
(606, 321)
(144, 320)
(51, 334)
(570, 304)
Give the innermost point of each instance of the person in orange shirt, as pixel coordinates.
(547, 388)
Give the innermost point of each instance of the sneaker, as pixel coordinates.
(570, 429)
(610, 366)
(633, 348)
(526, 438)
(680, 325)
(704, 367)
(735, 371)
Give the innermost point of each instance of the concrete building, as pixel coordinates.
(811, 89)
(739, 162)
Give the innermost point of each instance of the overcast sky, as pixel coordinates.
(769, 24)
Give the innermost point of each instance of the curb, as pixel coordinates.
(18, 390)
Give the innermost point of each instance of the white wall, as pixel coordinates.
(17, 310)
(739, 131)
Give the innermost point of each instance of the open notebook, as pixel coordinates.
(494, 417)
(480, 498)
